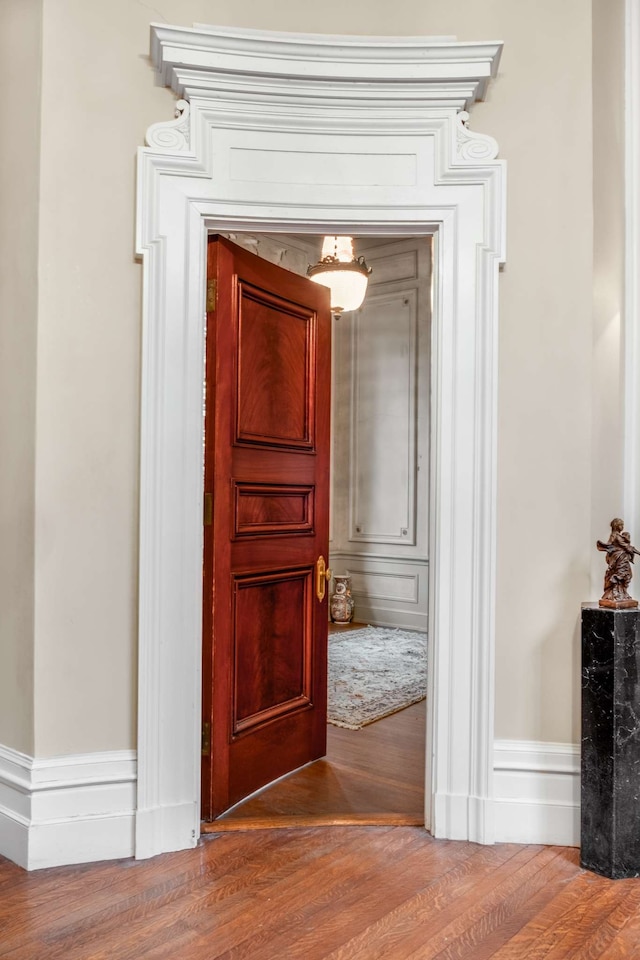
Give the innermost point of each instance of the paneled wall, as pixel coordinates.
(381, 437)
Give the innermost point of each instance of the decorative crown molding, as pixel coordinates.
(172, 136)
(245, 64)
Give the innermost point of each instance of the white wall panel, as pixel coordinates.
(394, 267)
(387, 586)
(387, 591)
(320, 166)
(383, 420)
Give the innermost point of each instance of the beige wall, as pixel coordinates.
(99, 96)
(20, 54)
(94, 116)
(540, 112)
(608, 272)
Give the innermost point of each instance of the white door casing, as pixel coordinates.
(313, 134)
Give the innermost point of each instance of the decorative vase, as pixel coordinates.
(342, 603)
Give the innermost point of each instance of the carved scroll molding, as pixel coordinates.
(473, 147)
(172, 136)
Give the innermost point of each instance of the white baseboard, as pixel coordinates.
(71, 809)
(165, 829)
(365, 612)
(537, 792)
(461, 817)
(388, 591)
(81, 808)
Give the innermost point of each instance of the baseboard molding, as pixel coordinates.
(163, 829)
(81, 808)
(384, 617)
(70, 809)
(461, 817)
(380, 585)
(537, 792)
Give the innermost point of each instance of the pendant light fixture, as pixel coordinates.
(346, 276)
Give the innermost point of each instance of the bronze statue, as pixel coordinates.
(618, 574)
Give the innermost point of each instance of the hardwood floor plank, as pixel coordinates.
(207, 935)
(219, 914)
(468, 933)
(626, 942)
(336, 893)
(325, 923)
(510, 915)
(74, 901)
(305, 899)
(366, 774)
(194, 891)
(570, 911)
(605, 939)
(400, 932)
(326, 790)
(20, 881)
(592, 925)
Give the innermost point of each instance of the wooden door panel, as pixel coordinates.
(273, 646)
(272, 509)
(275, 364)
(249, 766)
(259, 465)
(267, 471)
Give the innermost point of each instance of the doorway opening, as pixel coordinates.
(378, 532)
(361, 134)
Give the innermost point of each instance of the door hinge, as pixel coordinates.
(206, 739)
(212, 294)
(207, 518)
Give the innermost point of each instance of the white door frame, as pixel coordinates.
(278, 132)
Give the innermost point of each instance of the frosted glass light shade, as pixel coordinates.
(346, 276)
(347, 288)
(338, 248)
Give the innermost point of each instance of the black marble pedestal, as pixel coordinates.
(610, 812)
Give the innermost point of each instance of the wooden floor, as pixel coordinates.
(327, 893)
(331, 893)
(370, 776)
(374, 776)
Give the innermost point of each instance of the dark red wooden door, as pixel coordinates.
(267, 474)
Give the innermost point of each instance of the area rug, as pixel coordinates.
(374, 672)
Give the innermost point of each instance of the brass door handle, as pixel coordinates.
(323, 574)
